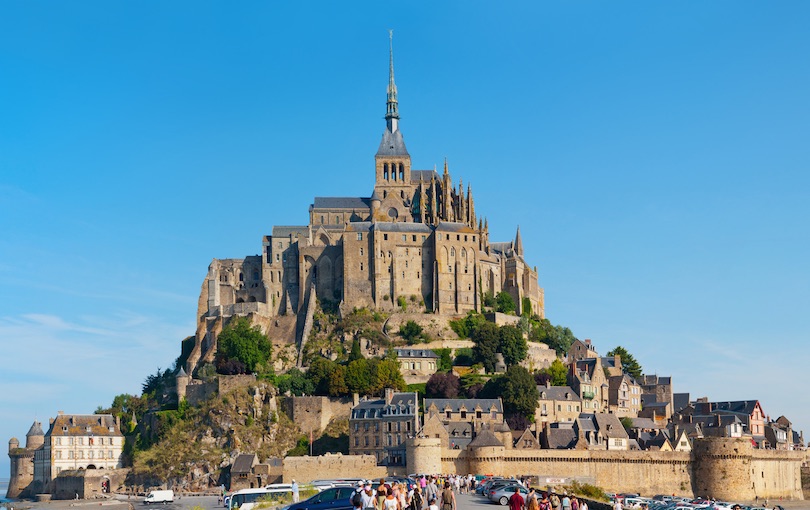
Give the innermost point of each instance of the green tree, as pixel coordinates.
(512, 345)
(504, 302)
(359, 376)
(320, 373)
(557, 372)
(445, 361)
(519, 392)
(488, 299)
(411, 332)
(558, 338)
(465, 326)
(295, 382)
(337, 382)
(486, 338)
(239, 341)
(629, 364)
(527, 307)
(627, 423)
(356, 352)
(386, 374)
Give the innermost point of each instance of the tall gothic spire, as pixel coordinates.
(392, 109)
(518, 243)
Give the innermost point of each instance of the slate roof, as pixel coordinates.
(558, 393)
(679, 401)
(423, 175)
(644, 423)
(587, 423)
(82, 425)
(562, 437)
(469, 404)
(392, 144)
(35, 430)
(738, 406)
(358, 226)
(454, 226)
(415, 353)
(654, 380)
(287, 231)
(610, 426)
(406, 405)
(243, 463)
(485, 438)
(400, 226)
(501, 247)
(341, 203)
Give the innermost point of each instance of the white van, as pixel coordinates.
(159, 497)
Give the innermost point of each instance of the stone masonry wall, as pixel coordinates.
(315, 413)
(306, 469)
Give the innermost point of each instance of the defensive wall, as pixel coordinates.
(86, 483)
(315, 413)
(723, 468)
(331, 466)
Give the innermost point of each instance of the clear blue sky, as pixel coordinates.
(654, 154)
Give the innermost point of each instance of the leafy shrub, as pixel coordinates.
(410, 331)
(402, 303)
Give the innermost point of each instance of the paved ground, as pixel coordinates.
(465, 502)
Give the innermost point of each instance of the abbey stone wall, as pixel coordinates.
(722, 468)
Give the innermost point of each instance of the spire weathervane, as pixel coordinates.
(392, 110)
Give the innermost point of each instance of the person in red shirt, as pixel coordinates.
(516, 501)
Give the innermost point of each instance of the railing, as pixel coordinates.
(588, 395)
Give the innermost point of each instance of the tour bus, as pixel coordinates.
(245, 499)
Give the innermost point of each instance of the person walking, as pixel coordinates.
(296, 494)
(516, 501)
(448, 498)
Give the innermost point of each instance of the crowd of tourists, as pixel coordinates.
(438, 492)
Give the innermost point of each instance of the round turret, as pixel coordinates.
(35, 437)
(424, 455)
(13, 444)
(722, 467)
(182, 380)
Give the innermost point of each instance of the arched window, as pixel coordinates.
(452, 252)
(401, 172)
(337, 220)
(385, 193)
(401, 194)
(385, 171)
(241, 277)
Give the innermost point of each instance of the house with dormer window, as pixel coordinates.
(380, 427)
(557, 404)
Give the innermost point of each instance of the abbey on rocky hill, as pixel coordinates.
(417, 237)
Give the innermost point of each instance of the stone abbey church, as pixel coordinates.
(417, 237)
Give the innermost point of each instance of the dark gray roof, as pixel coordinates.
(644, 423)
(35, 430)
(392, 144)
(243, 463)
(423, 175)
(469, 404)
(287, 231)
(679, 401)
(341, 203)
(561, 438)
(399, 226)
(737, 406)
(558, 393)
(657, 405)
(587, 423)
(404, 405)
(415, 353)
(452, 226)
(501, 247)
(653, 380)
(485, 438)
(610, 426)
(358, 226)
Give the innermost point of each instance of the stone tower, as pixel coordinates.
(22, 460)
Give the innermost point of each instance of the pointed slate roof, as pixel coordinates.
(484, 438)
(35, 430)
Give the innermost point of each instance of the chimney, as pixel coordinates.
(617, 361)
(588, 342)
(717, 420)
(355, 399)
(389, 394)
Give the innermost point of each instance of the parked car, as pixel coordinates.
(502, 494)
(335, 498)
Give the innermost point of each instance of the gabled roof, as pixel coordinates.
(341, 203)
(485, 438)
(82, 425)
(644, 423)
(469, 404)
(244, 463)
(610, 426)
(287, 231)
(558, 393)
(415, 353)
(452, 226)
(561, 438)
(423, 175)
(401, 226)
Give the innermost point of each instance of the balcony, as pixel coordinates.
(588, 395)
